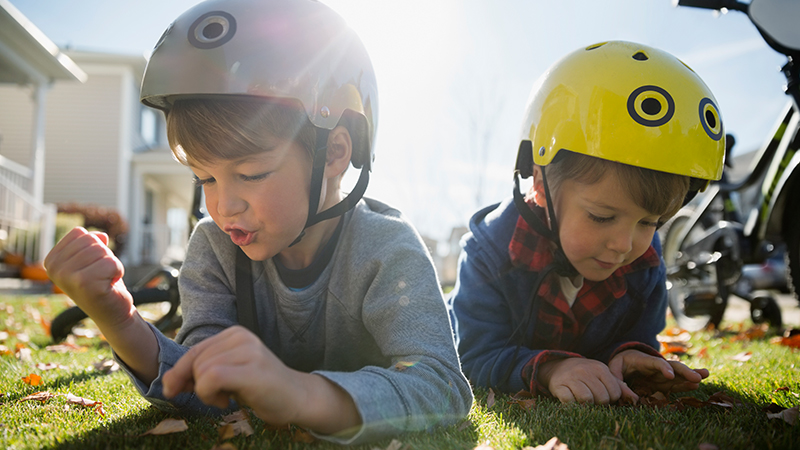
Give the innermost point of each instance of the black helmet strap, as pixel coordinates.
(562, 265)
(317, 175)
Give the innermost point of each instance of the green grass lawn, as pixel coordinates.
(771, 376)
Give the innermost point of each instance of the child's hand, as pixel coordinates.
(656, 373)
(236, 364)
(83, 266)
(583, 381)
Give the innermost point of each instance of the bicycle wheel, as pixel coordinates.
(156, 299)
(697, 297)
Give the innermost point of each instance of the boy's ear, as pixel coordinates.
(539, 196)
(340, 149)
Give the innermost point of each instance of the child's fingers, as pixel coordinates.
(181, 378)
(627, 394)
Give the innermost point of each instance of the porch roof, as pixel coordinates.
(27, 56)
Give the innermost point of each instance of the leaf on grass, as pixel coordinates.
(791, 341)
(4, 351)
(85, 402)
(720, 398)
(742, 357)
(45, 325)
(41, 396)
(702, 354)
(553, 444)
(106, 366)
(32, 379)
(235, 424)
(788, 415)
(224, 446)
(464, 425)
(394, 445)
(524, 399)
(3, 335)
(707, 446)
(65, 348)
(674, 349)
(303, 436)
(490, 399)
(49, 366)
(167, 426)
(23, 353)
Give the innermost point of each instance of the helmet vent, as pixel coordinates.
(712, 121)
(640, 56)
(596, 46)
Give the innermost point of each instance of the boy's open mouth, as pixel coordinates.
(241, 237)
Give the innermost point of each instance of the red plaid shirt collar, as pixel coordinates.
(558, 326)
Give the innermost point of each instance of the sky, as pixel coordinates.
(454, 77)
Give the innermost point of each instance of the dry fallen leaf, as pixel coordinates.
(302, 436)
(98, 406)
(787, 415)
(167, 426)
(235, 424)
(394, 445)
(707, 446)
(49, 366)
(224, 446)
(553, 444)
(41, 396)
(65, 348)
(106, 366)
(524, 399)
(32, 379)
(742, 357)
(490, 399)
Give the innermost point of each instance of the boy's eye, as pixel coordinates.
(651, 223)
(201, 181)
(600, 219)
(258, 177)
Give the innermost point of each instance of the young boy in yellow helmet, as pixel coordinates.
(307, 306)
(563, 292)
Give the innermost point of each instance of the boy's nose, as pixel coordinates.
(621, 241)
(229, 203)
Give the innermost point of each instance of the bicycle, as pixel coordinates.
(707, 243)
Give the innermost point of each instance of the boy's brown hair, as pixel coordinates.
(204, 130)
(657, 192)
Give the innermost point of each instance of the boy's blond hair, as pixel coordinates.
(205, 130)
(657, 192)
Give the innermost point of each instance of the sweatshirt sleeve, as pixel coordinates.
(404, 311)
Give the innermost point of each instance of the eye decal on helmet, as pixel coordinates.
(212, 29)
(709, 117)
(651, 106)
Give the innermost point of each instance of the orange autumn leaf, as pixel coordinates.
(45, 325)
(791, 341)
(32, 379)
(673, 349)
(742, 357)
(703, 353)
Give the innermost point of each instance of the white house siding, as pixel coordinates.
(81, 141)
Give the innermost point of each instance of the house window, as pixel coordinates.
(149, 126)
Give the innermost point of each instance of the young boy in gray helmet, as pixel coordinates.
(345, 330)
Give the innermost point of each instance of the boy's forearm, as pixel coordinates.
(136, 345)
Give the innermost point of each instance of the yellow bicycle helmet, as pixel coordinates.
(279, 49)
(628, 103)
